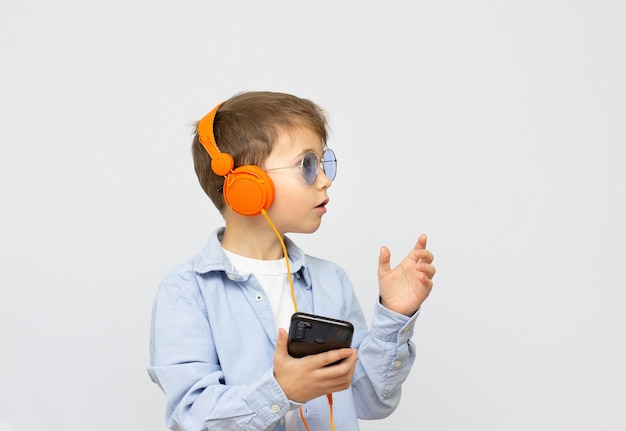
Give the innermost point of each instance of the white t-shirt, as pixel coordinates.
(272, 274)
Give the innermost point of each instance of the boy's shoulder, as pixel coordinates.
(314, 261)
(208, 258)
(299, 257)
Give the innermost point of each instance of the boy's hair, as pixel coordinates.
(247, 126)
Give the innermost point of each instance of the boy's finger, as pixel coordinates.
(424, 256)
(333, 356)
(421, 241)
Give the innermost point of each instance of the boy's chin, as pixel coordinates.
(307, 229)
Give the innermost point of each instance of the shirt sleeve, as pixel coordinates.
(386, 356)
(184, 363)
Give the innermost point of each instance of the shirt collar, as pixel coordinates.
(213, 258)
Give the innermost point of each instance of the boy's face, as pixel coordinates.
(297, 207)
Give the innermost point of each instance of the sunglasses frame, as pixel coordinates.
(319, 162)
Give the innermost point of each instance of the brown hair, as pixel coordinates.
(246, 126)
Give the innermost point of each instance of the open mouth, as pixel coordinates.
(323, 204)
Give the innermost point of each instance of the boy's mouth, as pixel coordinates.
(323, 204)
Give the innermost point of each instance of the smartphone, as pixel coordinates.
(310, 334)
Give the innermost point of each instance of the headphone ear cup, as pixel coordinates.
(248, 190)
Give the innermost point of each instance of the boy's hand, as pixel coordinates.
(404, 288)
(304, 379)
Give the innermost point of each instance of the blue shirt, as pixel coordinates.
(213, 338)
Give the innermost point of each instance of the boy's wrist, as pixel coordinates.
(407, 313)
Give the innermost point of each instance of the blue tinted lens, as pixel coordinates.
(330, 163)
(309, 168)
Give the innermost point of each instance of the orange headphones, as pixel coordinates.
(248, 190)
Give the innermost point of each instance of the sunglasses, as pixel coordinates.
(310, 166)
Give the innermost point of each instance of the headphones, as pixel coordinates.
(248, 190)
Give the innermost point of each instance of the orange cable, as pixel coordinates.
(330, 405)
(282, 243)
(295, 307)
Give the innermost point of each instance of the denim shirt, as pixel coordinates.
(213, 338)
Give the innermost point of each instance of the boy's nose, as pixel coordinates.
(323, 178)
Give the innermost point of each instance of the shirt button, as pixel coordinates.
(397, 364)
(258, 297)
(275, 408)
(231, 277)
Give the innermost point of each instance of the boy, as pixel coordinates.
(219, 342)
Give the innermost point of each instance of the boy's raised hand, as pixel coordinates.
(303, 379)
(404, 288)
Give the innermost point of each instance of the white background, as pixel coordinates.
(497, 128)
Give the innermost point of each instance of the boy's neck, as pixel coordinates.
(251, 238)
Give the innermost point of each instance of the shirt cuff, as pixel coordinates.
(268, 399)
(391, 326)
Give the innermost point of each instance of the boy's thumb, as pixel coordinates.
(281, 341)
(384, 261)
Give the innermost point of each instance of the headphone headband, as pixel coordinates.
(248, 190)
(221, 163)
(205, 132)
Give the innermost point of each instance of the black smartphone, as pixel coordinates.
(310, 334)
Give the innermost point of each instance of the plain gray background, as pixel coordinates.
(497, 128)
